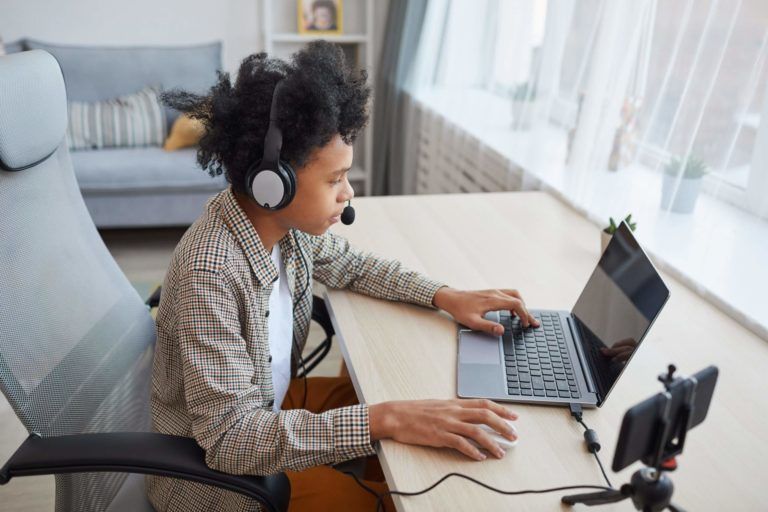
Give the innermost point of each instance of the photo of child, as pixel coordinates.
(320, 16)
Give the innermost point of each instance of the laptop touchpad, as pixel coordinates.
(478, 348)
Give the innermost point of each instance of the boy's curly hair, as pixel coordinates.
(320, 97)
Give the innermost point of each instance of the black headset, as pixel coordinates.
(271, 182)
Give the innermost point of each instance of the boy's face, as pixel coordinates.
(322, 189)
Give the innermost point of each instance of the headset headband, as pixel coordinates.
(273, 141)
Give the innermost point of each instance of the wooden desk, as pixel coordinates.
(532, 242)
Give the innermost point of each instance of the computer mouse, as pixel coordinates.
(502, 441)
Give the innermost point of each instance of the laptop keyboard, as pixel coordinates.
(537, 359)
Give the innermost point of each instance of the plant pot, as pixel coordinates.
(604, 239)
(687, 193)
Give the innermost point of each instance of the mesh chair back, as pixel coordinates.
(76, 340)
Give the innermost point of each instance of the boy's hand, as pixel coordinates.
(442, 423)
(469, 307)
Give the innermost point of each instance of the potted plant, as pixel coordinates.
(608, 231)
(523, 105)
(687, 180)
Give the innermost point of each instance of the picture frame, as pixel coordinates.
(320, 17)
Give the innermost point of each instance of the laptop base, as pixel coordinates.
(483, 372)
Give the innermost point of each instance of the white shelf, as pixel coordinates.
(306, 38)
(279, 19)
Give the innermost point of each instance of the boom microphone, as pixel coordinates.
(348, 215)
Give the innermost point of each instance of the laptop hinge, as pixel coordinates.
(585, 366)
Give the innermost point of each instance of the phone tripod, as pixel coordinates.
(649, 488)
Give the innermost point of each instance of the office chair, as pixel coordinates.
(76, 340)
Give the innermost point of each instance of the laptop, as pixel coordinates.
(576, 356)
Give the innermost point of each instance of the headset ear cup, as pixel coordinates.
(290, 179)
(252, 171)
(271, 189)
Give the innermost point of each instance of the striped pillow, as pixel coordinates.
(133, 120)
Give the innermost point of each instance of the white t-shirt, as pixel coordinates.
(280, 330)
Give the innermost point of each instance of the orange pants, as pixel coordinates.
(323, 488)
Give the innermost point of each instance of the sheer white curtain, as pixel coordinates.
(649, 107)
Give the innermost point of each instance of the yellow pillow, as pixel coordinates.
(185, 132)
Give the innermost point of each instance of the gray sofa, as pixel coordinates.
(137, 187)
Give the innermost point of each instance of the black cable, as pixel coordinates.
(380, 497)
(599, 463)
(594, 452)
(593, 445)
(293, 337)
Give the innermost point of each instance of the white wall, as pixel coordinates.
(148, 22)
(136, 22)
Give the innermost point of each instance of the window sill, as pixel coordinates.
(719, 251)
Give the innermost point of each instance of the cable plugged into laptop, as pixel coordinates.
(590, 438)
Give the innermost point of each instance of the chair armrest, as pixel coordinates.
(138, 452)
(154, 300)
(321, 316)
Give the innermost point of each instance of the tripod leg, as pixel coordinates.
(594, 498)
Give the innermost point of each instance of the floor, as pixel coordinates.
(143, 255)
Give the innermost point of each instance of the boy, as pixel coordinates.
(237, 299)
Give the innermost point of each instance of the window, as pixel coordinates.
(604, 96)
(705, 86)
(519, 34)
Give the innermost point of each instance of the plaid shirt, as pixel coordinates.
(212, 378)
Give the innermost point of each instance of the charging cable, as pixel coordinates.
(380, 497)
(590, 438)
(593, 446)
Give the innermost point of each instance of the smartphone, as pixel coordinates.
(642, 424)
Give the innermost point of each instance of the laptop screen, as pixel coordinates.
(618, 305)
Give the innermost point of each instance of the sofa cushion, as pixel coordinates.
(133, 120)
(94, 73)
(131, 169)
(185, 132)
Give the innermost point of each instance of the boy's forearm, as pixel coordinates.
(443, 297)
